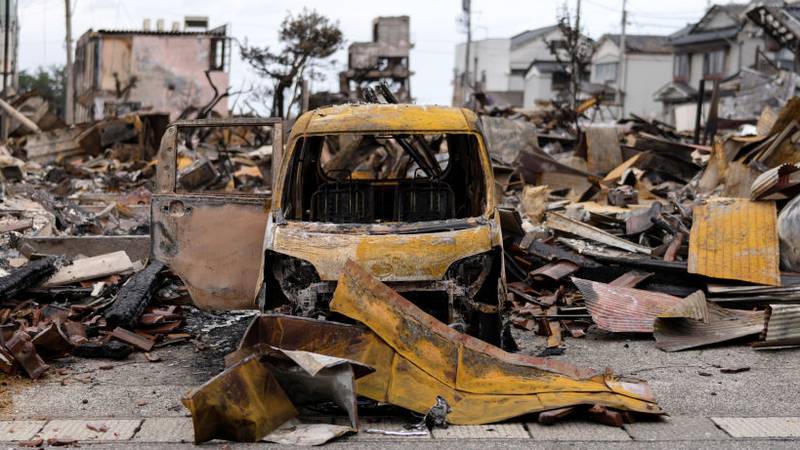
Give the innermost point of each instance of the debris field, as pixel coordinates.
(428, 258)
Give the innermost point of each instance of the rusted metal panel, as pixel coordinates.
(214, 244)
(398, 381)
(736, 239)
(621, 309)
(244, 403)
(782, 328)
(693, 306)
(390, 257)
(476, 378)
(675, 334)
(555, 271)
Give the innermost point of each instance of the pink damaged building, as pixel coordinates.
(119, 71)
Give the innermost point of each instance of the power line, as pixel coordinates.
(602, 6)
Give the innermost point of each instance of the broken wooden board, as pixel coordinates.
(91, 268)
(565, 224)
(617, 172)
(54, 145)
(137, 247)
(603, 152)
(735, 239)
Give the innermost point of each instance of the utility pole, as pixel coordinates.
(622, 79)
(466, 6)
(7, 32)
(68, 107)
(576, 65)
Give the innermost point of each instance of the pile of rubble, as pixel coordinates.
(632, 229)
(75, 230)
(629, 228)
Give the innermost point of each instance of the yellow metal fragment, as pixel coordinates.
(482, 383)
(735, 239)
(244, 403)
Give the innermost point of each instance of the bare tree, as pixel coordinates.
(305, 40)
(574, 54)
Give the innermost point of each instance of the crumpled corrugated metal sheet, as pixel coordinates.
(674, 334)
(694, 306)
(735, 239)
(773, 180)
(621, 309)
(783, 326)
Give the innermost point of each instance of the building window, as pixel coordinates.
(217, 54)
(605, 73)
(714, 64)
(680, 67)
(559, 81)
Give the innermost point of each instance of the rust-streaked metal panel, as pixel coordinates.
(735, 239)
(675, 334)
(623, 310)
(783, 326)
(214, 244)
(396, 380)
(462, 367)
(390, 257)
(244, 403)
(694, 306)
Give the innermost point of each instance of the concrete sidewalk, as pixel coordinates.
(680, 430)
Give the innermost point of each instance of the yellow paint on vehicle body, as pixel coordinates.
(390, 257)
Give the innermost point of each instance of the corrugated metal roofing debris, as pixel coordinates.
(773, 181)
(782, 327)
(623, 310)
(736, 239)
(674, 334)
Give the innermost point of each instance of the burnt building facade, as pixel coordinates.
(384, 59)
(169, 71)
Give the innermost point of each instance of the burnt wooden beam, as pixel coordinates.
(134, 297)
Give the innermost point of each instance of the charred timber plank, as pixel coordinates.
(134, 296)
(29, 275)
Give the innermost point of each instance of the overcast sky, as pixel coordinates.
(435, 28)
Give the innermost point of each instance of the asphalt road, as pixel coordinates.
(689, 386)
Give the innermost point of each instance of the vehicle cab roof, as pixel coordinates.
(374, 118)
